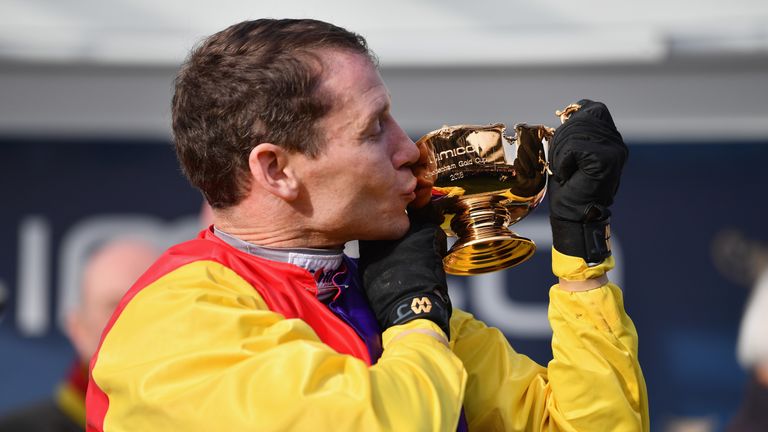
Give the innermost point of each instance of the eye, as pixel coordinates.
(377, 127)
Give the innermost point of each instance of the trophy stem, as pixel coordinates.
(484, 242)
(482, 216)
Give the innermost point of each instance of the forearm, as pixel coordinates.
(418, 382)
(505, 390)
(595, 376)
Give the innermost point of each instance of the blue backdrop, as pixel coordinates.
(674, 200)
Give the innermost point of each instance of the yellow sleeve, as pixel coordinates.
(593, 383)
(199, 350)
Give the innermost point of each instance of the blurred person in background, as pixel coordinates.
(752, 353)
(107, 275)
(263, 323)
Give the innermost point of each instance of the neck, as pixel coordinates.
(279, 227)
(312, 260)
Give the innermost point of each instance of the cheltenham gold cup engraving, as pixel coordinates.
(481, 195)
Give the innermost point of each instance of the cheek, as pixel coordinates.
(373, 178)
(369, 180)
(379, 156)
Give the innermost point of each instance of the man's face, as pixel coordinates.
(360, 184)
(107, 276)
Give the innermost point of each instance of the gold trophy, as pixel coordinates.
(480, 194)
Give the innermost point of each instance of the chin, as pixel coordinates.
(403, 229)
(401, 224)
(392, 229)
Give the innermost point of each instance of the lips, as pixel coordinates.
(422, 194)
(412, 186)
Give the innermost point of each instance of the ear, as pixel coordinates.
(270, 169)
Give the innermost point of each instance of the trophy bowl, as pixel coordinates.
(480, 194)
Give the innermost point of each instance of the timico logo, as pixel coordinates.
(458, 151)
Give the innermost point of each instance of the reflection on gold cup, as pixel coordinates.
(480, 194)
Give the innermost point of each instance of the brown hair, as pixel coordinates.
(256, 81)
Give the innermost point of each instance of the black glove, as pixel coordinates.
(586, 156)
(404, 279)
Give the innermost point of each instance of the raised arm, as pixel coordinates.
(594, 381)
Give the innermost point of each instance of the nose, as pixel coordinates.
(407, 154)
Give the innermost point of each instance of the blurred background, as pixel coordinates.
(86, 154)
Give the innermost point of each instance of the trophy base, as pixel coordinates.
(488, 254)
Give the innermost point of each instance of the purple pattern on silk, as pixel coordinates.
(351, 305)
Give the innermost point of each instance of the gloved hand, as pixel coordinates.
(586, 156)
(404, 279)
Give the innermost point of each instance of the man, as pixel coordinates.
(107, 275)
(753, 350)
(262, 324)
